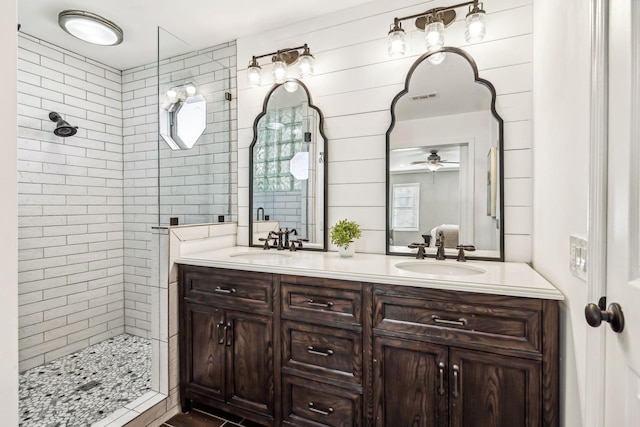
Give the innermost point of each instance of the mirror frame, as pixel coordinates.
(325, 163)
(404, 91)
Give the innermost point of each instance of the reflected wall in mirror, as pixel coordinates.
(444, 160)
(288, 170)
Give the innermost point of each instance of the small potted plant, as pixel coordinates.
(343, 235)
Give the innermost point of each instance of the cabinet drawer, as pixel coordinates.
(232, 288)
(317, 350)
(452, 322)
(307, 403)
(321, 300)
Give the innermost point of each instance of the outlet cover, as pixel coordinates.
(578, 257)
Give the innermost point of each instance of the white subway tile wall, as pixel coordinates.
(71, 203)
(354, 84)
(196, 185)
(87, 203)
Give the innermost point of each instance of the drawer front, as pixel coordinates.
(232, 288)
(459, 322)
(322, 304)
(330, 353)
(307, 403)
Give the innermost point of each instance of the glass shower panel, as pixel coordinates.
(195, 145)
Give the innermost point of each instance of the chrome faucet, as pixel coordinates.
(440, 245)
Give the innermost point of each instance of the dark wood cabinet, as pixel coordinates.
(228, 350)
(304, 351)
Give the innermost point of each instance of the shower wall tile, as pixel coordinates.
(190, 185)
(70, 216)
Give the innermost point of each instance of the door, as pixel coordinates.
(622, 369)
(488, 390)
(207, 349)
(249, 343)
(409, 383)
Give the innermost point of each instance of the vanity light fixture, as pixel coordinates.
(281, 59)
(433, 22)
(90, 27)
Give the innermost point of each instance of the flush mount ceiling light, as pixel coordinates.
(433, 22)
(90, 27)
(282, 59)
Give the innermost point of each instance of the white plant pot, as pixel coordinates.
(348, 252)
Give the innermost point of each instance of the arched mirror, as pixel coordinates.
(445, 160)
(288, 169)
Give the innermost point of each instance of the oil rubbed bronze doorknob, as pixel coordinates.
(595, 314)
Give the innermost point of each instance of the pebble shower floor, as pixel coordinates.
(85, 387)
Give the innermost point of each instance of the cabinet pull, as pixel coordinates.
(225, 290)
(228, 333)
(319, 304)
(220, 335)
(312, 350)
(460, 322)
(441, 377)
(313, 408)
(456, 380)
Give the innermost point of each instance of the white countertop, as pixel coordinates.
(498, 278)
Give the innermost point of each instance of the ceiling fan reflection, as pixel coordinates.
(434, 162)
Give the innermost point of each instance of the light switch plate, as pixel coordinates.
(578, 257)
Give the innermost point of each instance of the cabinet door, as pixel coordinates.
(250, 364)
(409, 383)
(206, 347)
(487, 390)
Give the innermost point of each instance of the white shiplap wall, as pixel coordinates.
(70, 203)
(354, 84)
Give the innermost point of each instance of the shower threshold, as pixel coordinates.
(87, 386)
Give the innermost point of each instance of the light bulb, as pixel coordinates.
(434, 35)
(253, 76)
(291, 87)
(306, 65)
(396, 44)
(434, 166)
(279, 71)
(191, 90)
(171, 93)
(475, 28)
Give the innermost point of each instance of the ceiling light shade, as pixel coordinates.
(279, 71)
(475, 27)
(396, 41)
(434, 35)
(434, 166)
(190, 89)
(306, 64)
(253, 73)
(90, 27)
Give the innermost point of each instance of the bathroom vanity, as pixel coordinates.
(311, 339)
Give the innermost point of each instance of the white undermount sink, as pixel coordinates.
(439, 268)
(262, 255)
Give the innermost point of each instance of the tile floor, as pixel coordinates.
(208, 418)
(85, 387)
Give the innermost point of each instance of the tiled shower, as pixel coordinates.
(88, 257)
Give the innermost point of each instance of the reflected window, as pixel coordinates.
(406, 207)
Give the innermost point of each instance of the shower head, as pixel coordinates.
(62, 127)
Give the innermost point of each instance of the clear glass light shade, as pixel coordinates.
(191, 90)
(279, 72)
(434, 35)
(434, 166)
(90, 27)
(476, 28)
(437, 58)
(305, 66)
(253, 76)
(396, 43)
(172, 93)
(291, 87)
